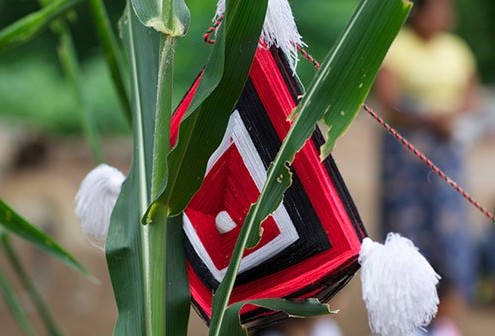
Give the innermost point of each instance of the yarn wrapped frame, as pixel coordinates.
(310, 245)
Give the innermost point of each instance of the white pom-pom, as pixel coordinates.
(95, 201)
(399, 286)
(279, 28)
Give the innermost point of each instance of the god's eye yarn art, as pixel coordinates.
(314, 242)
(311, 241)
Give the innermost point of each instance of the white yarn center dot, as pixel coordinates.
(224, 222)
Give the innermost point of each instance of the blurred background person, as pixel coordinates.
(428, 83)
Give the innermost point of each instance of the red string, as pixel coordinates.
(389, 129)
(414, 150)
(212, 29)
(429, 163)
(308, 56)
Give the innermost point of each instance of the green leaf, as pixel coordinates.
(112, 54)
(178, 295)
(14, 223)
(30, 287)
(147, 263)
(126, 237)
(15, 306)
(232, 325)
(350, 72)
(341, 85)
(29, 26)
(170, 17)
(204, 124)
(70, 64)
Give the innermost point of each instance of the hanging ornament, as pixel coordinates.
(314, 242)
(310, 245)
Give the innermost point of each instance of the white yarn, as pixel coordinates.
(399, 286)
(95, 201)
(224, 222)
(279, 28)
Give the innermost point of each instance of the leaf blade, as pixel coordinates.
(14, 223)
(126, 236)
(32, 24)
(149, 259)
(25, 279)
(70, 64)
(233, 327)
(178, 297)
(15, 306)
(112, 54)
(352, 71)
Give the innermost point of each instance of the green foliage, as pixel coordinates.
(128, 263)
(28, 283)
(320, 24)
(15, 306)
(147, 262)
(477, 26)
(70, 64)
(148, 52)
(29, 26)
(34, 92)
(138, 256)
(178, 295)
(112, 54)
(232, 325)
(202, 127)
(17, 225)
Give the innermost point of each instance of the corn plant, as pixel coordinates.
(145, 244)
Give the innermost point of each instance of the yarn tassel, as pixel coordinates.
(95, 200)
(399, 286)
(279, 29)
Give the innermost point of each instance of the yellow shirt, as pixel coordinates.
(433, 74)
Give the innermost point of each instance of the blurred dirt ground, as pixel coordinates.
(45, 195)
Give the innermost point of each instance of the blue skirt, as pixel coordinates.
(422, 207)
